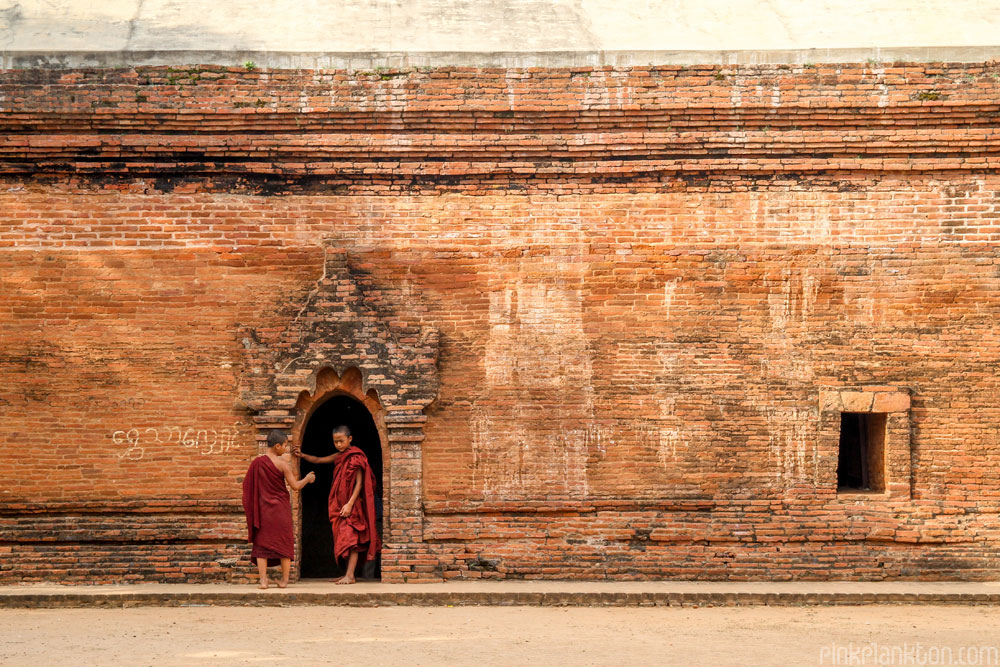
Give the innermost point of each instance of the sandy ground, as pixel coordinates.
(496, 635)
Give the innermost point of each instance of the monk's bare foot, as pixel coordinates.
(345, 580)
(282, 584)
(262, 585)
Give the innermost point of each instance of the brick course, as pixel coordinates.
(643, 286)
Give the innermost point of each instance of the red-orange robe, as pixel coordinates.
(269, 512)
(358, 529)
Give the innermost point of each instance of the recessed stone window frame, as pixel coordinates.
(894, 403)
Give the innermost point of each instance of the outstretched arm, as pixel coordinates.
(296, 484)
(315, 459)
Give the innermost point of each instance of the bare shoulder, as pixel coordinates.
(280, 463)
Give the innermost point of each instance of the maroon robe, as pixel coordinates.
(358, 529)
(269, 512)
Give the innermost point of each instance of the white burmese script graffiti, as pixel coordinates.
(134, 441)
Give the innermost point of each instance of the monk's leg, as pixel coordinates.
(286, 567)
(352, 562)
(262, 571)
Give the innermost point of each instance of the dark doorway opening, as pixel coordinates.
(861, 460)
(317, 534)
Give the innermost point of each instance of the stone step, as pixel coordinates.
(527, 593)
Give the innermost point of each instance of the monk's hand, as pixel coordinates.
(296, 450)
(310, 478)
(345, 511)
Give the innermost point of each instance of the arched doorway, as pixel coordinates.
(317, 559)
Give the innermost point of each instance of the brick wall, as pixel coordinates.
(642, 283)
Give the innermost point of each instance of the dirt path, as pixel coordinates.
(494, 635)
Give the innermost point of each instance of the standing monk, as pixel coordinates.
(352, 502)
(269, 508)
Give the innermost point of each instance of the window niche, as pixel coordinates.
(865, 440)
(861, 455)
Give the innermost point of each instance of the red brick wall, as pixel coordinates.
(642, 280)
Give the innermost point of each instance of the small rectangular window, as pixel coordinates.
(861, 463)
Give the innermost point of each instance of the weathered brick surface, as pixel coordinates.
(651, 290)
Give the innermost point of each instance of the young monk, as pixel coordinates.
(352, 502)
(269, 508)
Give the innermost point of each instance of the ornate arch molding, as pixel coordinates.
(341, 338)
(327, 384)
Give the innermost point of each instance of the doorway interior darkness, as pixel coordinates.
(317, 535)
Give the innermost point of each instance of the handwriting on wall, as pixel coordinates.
(134, 441)
(128, 404)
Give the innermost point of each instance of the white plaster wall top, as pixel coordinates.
(368, 33)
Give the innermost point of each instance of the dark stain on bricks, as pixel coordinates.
(481, 564)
